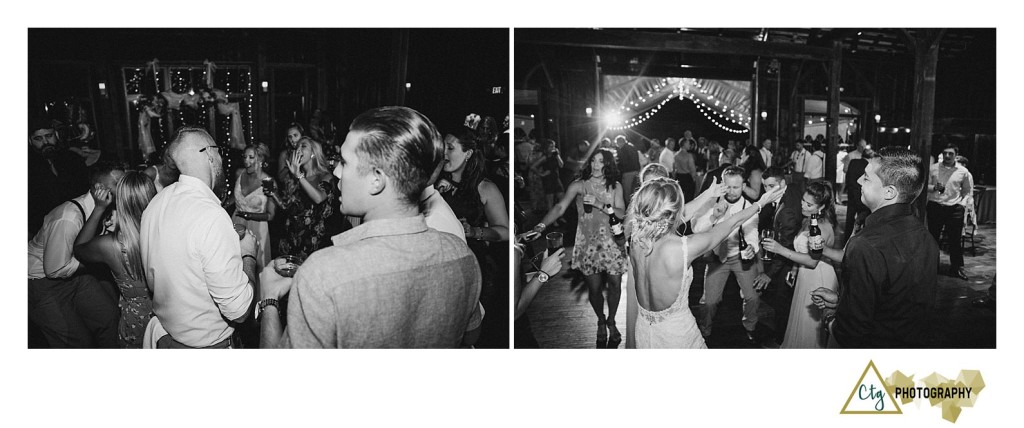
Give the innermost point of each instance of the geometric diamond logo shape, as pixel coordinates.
(870, 395)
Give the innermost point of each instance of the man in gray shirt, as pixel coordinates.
(391, 282)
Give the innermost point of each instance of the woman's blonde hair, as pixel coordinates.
(132, 195)
(262, 152)
(654, 211)
(319, 160)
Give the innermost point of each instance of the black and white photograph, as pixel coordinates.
(755, 188)
(268, 188)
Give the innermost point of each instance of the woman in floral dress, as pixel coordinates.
(308, 198)
(120, 251)
(595, 253)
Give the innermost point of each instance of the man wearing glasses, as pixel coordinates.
(201, 274)
(950, 189)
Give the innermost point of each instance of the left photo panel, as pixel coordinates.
(268, 188)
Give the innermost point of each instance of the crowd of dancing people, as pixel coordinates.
(395, 237)
(764, 215)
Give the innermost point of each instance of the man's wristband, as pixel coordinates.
(262, 305)
(249, 255)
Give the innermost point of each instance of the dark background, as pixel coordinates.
(342, 72)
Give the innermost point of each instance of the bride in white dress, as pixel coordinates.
(660, 260)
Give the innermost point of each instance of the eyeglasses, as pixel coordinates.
(210, 147)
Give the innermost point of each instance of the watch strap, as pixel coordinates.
(263, 305)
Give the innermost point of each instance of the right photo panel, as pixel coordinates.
(755, 188)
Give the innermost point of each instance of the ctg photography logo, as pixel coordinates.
(873, 395)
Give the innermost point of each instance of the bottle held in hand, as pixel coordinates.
(743, 246)
(814, 240)
(616, 225)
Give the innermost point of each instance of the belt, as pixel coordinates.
(168, 342)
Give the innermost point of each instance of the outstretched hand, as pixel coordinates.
(293, 163)
(772, 196)
(717, 188)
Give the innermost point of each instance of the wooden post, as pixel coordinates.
(925, 45)
(832, 130)
(755, 89)
(399, 65)
(262, 75)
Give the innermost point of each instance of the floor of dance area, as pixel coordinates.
(561, 315)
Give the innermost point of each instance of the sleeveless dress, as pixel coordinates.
(804, 329)
(255, 202)
(594, 250)
(135, 304)
(674, 327)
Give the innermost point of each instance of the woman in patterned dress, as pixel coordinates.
(595, 253)
(120, 251)
(308, 197)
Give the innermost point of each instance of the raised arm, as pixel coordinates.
(559, 209)
(699, 204)
(86, 248)
(803, 259)
(700, 243)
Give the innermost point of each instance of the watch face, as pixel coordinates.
(543, 277)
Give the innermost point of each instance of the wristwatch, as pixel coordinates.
(263, 305)
(543, 277)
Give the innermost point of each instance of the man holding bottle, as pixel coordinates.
(735, 255)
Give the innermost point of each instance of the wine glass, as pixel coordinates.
(765, 235)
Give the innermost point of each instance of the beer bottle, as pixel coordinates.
(814, 241)
(616, 225)
(743, 244)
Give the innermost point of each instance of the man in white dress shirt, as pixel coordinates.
(201, 274)
(950, 192)
(815, 163)
(766, 152)
(727, 257)
(798, 159)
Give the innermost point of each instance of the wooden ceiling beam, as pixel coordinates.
(662, 42)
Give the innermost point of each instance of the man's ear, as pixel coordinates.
(889, 193)
(379, 182)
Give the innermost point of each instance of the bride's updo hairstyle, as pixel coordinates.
(654, 212)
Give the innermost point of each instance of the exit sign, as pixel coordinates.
(496, 90)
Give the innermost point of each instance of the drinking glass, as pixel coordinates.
(765, 254)
(287, 265)
(554, 241)
(268, 184)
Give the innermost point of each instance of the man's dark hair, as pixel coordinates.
(402, 143)
(37, 123)
(900, 168)
(774, 172)
(102, 169)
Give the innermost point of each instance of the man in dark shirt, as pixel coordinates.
(55, 174)
(889, 268)
(784, 218)
(629, 165)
